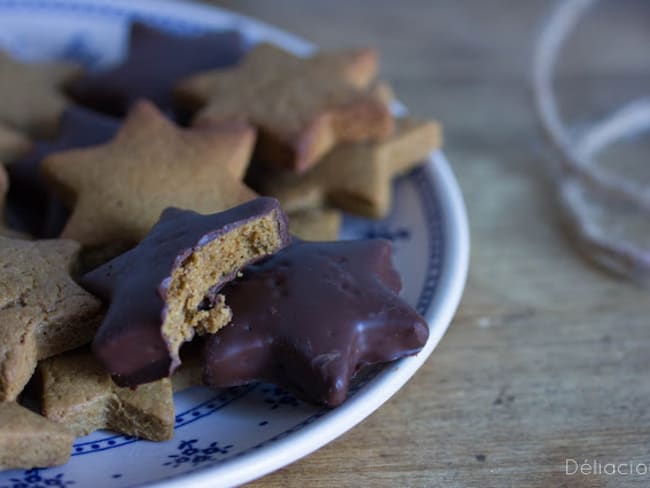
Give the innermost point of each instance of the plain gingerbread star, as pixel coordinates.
(31, 100)
(155, 61)
(302, 107)
(41, 213)
(118, 190)
(318, 224)
(28, 439)
(80, 394)
(43, 312)
(355, 177)
(309, 317)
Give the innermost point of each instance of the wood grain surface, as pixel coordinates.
(547, 358)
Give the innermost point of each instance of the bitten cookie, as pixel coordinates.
(301, 106)
(166, 289)
(154, 62)
(311, 316)
(79, 394)
(43, 312)
(322, 224)
(118, 190)
(28, 440)
(357, 177)
(31, 98)
(12, 144)
(42, 213)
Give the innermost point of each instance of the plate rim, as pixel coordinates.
(450, 286)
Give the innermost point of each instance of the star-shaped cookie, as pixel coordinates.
(311, 316)
(79, 393)
(12, 144)
(32, 101)
(167, 288)
(43, 312)
(355, 177)
(29, 440)
(155, 61)
(42, 213)
(118, 190)
(302, 107)
(320, 224)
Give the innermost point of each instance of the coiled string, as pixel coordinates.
(592, 196)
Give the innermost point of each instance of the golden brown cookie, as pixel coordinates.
(301, 106)
(28, 440)
(118, 190)
(43, 312)
(12, 144)
(79, 393)
(321, 224)
(32, 101)
(355, 177)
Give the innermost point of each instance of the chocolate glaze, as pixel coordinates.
(156, 60)
(311, 316)
(41, 213)
(129, 341)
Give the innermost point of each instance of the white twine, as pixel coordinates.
(577, 171)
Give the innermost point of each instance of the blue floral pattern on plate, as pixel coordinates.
(34, 478)
(189, 452)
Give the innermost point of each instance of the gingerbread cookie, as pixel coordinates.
(43, 312)
(79, 394)
(166, 289)
(118, 190)
(310, 316)
(322, 224)
(42, 213)
(31, 98)
(12, 144)
(356, 177)
(301, 106)
(154, 62)
(28, 440)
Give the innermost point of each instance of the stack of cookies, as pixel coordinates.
(139, 258)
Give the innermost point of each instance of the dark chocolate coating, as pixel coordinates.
(311, 316)
(155, 61)
(129, 341)
(41, 213)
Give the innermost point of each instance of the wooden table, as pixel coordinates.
(547, 358)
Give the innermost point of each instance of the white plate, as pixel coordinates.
(233, 436)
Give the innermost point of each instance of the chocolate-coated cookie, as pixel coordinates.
(311, 316)
(167, 288)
